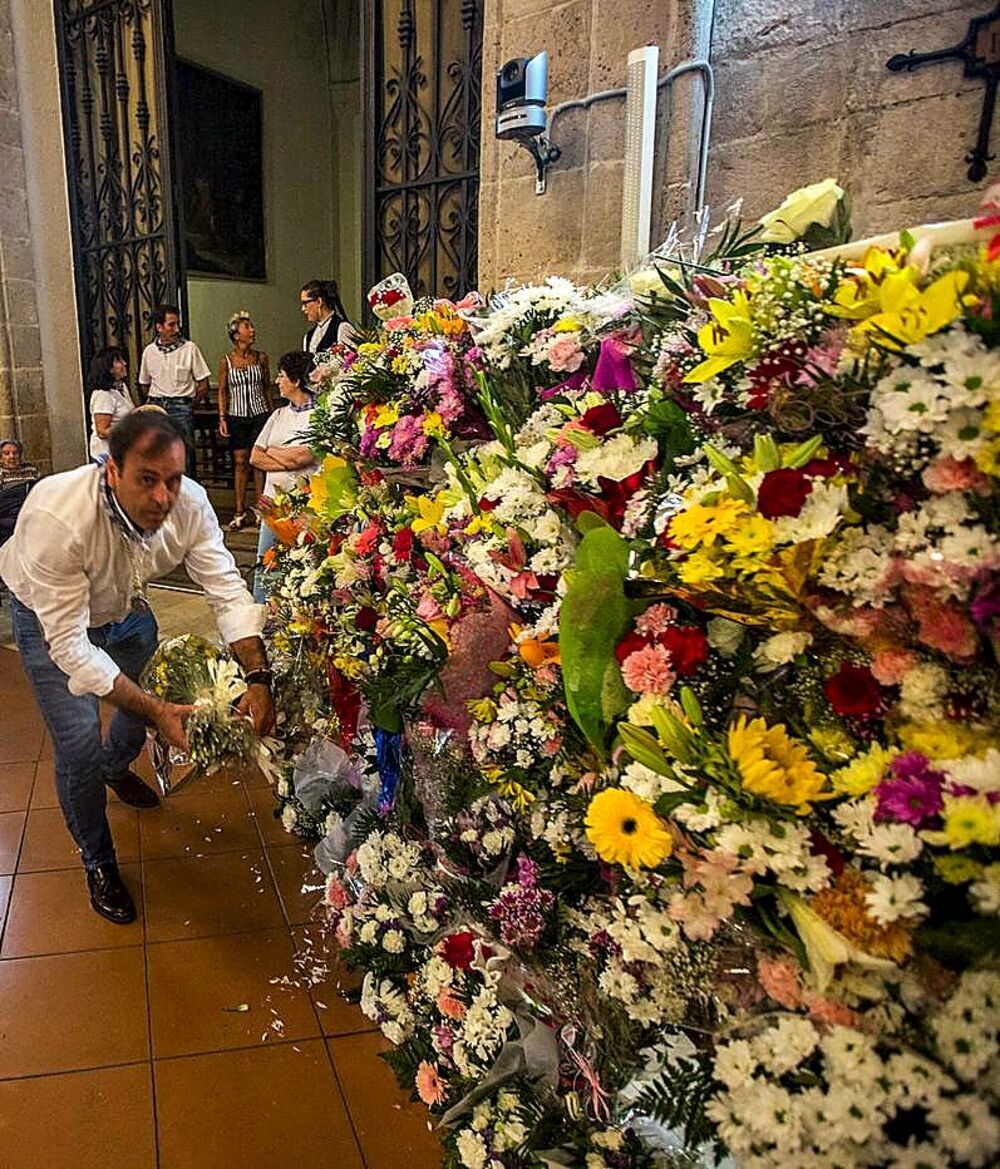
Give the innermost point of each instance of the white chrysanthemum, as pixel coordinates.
(617, 459)
(891, 898)
(781, 648)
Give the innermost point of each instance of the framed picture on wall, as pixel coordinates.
(222, 180)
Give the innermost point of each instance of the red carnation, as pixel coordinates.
(782, 492)
(853, 692)
(601, 419)
(458, 951)
(687, 646)
(487, 504)
(402, 544)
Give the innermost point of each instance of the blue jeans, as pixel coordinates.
(181, 410)
(82, 762)
(261, 585)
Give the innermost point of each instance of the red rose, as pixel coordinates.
(601, 419)
(687, 646)
(457, 950)
(853, 692)
(366, 619)
(782, 492)
(629, 644)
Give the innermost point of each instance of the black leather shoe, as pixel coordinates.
(130, 789)
(108, 895)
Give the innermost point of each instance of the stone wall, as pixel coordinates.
(23, 410)
(575, 228)
(802, 92)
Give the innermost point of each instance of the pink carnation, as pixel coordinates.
(657, 619)
(647, 670)
(450, 1006)
(564, 355)
(942, 624)
(337, 895)
(891, 666)
(824, 1010)
(780, 979)
(951, 474)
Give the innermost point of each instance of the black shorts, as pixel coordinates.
(243, 431)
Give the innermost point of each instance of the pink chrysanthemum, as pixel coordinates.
(648, 671)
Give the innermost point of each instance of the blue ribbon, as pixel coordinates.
(389, 754)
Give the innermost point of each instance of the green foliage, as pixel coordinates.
(594, 617)
(405, 1059)
(677, 1098)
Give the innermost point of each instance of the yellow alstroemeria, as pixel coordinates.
(433, 425)
(727, 340)
(428, 512)
(320, 483)
(386, 415)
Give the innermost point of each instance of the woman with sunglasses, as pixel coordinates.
(244, 374)
(328, 323)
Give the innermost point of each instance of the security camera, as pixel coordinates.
(522, 90)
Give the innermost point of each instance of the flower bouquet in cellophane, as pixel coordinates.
(190, 671)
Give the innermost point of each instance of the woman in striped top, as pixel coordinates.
(244, 376)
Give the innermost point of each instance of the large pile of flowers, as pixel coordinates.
(672, 828)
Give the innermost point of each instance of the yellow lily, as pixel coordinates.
(429, 513)
(331, 486)
(727, 340)
(386, 415)
(907, 315)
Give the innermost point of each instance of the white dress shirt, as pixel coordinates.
(72, 566)
(172, 374)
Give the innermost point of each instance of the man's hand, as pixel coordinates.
(258, 702)
(169, 720)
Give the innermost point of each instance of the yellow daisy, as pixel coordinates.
(625, 830)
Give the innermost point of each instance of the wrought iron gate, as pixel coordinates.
(422, 111)
(114, 57)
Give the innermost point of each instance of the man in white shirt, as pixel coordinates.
(174, 374)
(86, 543)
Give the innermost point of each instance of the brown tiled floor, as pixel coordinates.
(122, 1047)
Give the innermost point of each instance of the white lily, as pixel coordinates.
(826, 948)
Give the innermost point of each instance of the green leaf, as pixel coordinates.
(804, 452)
(386, 715)
(765, 452)
(594, 616)
(722, 463)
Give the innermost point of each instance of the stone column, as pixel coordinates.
(23, 411)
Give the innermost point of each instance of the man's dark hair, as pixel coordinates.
(158, 431)
(326, 292)
(100, 367)
(298, 365)
(162, 311)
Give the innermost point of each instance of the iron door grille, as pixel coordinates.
(422, 99)
(113, 58)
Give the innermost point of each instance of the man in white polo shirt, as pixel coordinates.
(86, 543)
(173, 374)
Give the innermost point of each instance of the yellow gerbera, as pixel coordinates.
(775, 766)
(625, 830)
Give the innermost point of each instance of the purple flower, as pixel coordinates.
(985, 609)
(913, 794)
(614, 370)
(521, 909)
